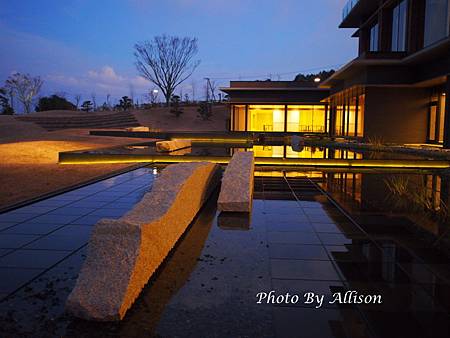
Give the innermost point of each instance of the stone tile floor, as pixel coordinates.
(37, 237)
(296, 241)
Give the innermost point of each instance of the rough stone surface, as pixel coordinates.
(236, 193)
(168, 146)
(123, 254)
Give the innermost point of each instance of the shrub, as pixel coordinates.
(204, 110)
(125, 103)
(86, 106)
(175, 106)
(54, 102)
(6, 108)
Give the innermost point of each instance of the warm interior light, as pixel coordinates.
(278, 119)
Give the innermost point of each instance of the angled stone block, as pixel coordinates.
(168, 146)
(236, 193)
(123, 254)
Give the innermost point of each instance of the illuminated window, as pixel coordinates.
(361, 108)
(339, 119)
(266, 118)
(306, 118)
(436, 118)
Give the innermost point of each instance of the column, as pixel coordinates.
(447, 114)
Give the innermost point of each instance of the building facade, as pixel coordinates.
(278, 106)
(397, 89)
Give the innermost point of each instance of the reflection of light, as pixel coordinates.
(70, 158)
(294, 116)
(155, 171)
(278, 116)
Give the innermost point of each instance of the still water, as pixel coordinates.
(326, 232)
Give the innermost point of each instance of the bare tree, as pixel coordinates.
(77, 98)
(25, 87)
(152, 96)
(167, 61)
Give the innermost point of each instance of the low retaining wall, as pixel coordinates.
(236, 193)
(123, 254)
(168, 146)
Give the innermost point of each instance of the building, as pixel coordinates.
(278, 106)
(397, 89)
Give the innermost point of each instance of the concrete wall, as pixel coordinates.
(397, 115)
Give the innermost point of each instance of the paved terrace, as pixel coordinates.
(296, 241)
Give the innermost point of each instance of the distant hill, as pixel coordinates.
(323, 75)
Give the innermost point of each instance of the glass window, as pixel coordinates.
(436, 21)
(352, 117)
(239, 118)
(339, 119)
(436, 117)
(361, 107)
(432, 130)
(266, 118)
(306, 118)
(399, 15)
(441, 117)
(374, 33)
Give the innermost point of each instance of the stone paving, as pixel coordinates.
(296, 242)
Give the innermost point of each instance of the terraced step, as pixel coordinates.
(116, 120)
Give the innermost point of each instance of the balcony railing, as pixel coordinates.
(348, 8)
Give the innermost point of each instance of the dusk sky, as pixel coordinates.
(81, 46)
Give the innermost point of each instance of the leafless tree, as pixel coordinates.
(77, 98)
(167, 61)
(152, 96)
(25, 87)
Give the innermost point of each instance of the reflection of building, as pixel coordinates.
(416, 197)
(277, 106)
(399, 83)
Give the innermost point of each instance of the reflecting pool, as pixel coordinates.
(326, 232)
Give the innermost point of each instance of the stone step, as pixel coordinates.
(117, 120)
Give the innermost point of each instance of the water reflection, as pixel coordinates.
(418, 197)
(234, 220)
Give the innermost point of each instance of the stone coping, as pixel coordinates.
(169, 146)
(123, 254)
(236, 193)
